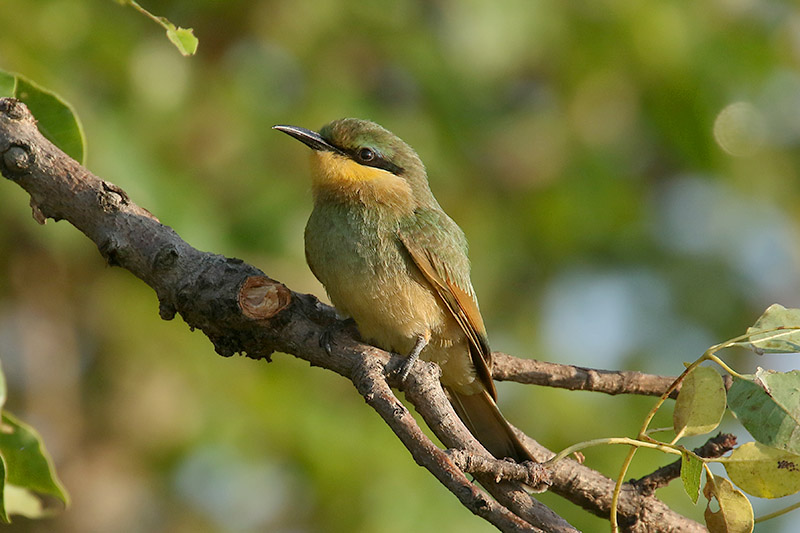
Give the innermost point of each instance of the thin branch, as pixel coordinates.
(531, 371)
(243, 311)
(714, 447)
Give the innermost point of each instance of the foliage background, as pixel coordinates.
(626, 173)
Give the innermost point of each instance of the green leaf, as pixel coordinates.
(701, 402)
(27, 465)
(183, 39)
(763, 471)
(55, 118)
(691, 471)
(775, 331)
(768, 405)
(735, 514)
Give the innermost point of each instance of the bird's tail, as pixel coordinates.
(484, 420)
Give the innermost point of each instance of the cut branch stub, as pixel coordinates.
(261, 298)
(15, 109)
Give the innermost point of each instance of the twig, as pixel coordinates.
(714, 447)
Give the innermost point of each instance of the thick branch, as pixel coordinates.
(243, 311)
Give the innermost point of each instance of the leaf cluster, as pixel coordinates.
(766, 403)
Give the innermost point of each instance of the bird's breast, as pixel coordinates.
(368, 276)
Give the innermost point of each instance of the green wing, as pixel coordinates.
(439, 249)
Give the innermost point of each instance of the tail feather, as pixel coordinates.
(484, 420)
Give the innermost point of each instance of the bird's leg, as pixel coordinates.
(411, 358)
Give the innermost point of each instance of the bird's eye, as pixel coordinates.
(366, 154)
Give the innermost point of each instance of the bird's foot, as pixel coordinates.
(326, 337)
(404, 369)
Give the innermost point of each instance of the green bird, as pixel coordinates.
(391, 258)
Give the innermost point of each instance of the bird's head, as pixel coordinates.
(356, 159)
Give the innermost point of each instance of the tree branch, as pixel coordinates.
(243, 311)
(531, 371)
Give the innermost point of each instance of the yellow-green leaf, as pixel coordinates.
(775, 331)
(768, 405)
(691, 471)
(735, 514)
(183, 39)
(701, 402)
(764, 471)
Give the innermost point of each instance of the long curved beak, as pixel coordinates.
(312, 139)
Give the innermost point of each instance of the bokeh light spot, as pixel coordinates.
(739, 129)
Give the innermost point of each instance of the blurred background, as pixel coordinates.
(626, 173)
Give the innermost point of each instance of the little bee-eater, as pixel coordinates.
(390, 258)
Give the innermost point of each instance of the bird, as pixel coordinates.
(394, 262)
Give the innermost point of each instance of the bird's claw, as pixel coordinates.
(326, 337)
